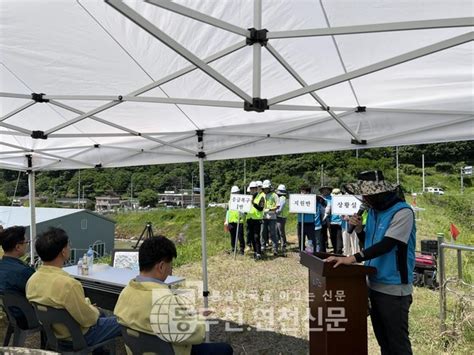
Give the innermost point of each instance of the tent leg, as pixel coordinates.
(203, 236)
(32, 193)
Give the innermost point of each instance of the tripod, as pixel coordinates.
(147, 233)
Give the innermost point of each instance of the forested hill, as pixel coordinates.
(292, 170)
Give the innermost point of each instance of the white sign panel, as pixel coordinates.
(241, 203)
(468, 170)
(345, 205)
(303, 203)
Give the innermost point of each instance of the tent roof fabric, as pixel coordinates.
(134, 82)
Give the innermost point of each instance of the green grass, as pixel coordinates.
(182, 226)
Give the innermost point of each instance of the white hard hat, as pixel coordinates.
(252, 184)
(281, 187)
(248, 188)
(266, 184)
(259, 183)
(234, 189)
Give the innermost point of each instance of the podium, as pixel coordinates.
(338, 303)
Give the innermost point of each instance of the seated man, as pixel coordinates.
(136, 302)
(53, 287)
(14, 273)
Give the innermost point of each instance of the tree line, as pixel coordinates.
(333, 168)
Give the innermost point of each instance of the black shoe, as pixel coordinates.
(258, 256)
(275, 253)
(241, 252)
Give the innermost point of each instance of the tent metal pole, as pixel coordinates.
(14, 95)
(379, 27)
(398, 167)
(281, 107)
(158, 100)
(303, 83)
(420, 111)
(257, 51)
(203, 232)
(15, 128)
(406, 57)
(175, 46)
(32, 195)
(18, 110)
(198, 16)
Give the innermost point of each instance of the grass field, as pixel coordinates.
(246, 294)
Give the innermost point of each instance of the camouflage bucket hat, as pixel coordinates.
(370, 183)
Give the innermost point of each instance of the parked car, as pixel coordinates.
(435, 190)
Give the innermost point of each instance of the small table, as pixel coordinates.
(104, 283)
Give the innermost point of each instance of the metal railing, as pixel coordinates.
(442, 272)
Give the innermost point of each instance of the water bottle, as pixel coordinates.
(90, 257)
(85, 266)
(79, 267)
(309, 247)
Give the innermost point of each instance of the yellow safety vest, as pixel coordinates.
(254, 213)
(233, 217)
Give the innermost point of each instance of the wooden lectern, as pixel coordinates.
(338, 303)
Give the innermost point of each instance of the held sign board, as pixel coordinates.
(345, 205)
(241, 203)
(303, 203)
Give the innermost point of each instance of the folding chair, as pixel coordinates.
(20, 329)
(140, 343)
(49, 316)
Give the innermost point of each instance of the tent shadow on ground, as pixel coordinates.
(246, 339)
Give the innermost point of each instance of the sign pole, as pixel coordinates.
(236, 237)
(302, 231)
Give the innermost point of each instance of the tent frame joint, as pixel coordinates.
(38, 135)
(38, 97)
(201, 154)
(257, 36)
(359, 141)
(96, 145)
(361, 109)
(257, 105)
(98, 166)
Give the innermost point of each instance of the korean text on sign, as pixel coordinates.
(345, 205)
(303, 203)
(241, 203)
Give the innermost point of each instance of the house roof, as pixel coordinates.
(20, 216)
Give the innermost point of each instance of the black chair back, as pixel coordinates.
(15, 300)
(140, 343)
(49, 316)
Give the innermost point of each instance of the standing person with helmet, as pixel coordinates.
(282, 214)
(232, 219)
(335, 227)
(254, 219)
(269, 216)
(390, 241)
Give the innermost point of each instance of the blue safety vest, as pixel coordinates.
(388, 270)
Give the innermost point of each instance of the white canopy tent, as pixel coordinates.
(89, 83)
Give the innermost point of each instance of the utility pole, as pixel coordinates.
(83, 196)
(423, 170)
(322, 175)
(192, 188)
(462, 182)
(245, 176)
(131, 192)
(398, 170)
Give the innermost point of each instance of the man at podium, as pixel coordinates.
(389, 245)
